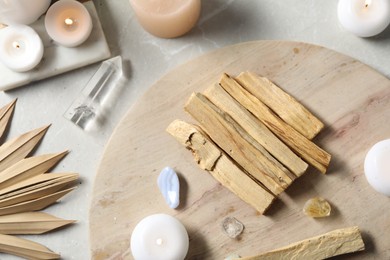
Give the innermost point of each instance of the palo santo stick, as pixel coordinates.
(5, 116)
(18, 148)
(28, 168)
(210, 158)
(34, 205)
(284, 105)
(256, 129)
(305, 148)
(25, 248)
(30, 223)
(337, 242)
(228, 135)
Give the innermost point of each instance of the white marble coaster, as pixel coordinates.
(58, 59)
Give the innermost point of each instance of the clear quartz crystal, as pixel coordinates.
(91, 103)
(232, 227)
(317, 208)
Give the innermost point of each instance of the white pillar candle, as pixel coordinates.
(68, 23)
(21, 48)
(377, 167)
(364, 18)
(167, 18)
(159, 237)
(22, 11)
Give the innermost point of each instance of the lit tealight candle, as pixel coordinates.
(365, 18)
(159, 237)
(377, 167)
(68, 23)
(167, 18)
(21, 48)
(22, 11)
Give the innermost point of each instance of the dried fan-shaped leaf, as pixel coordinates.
(18, 148)
(30, 223)
(36, 191)
(36, 182)
(28, 168)
(25, 248)
(5, 116)
(34, 205)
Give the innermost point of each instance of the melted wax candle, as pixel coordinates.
(21, 48)
(365, 18)
(159, 237)
(167, 18)
(377, 167)
(22, 11)
(68, 23)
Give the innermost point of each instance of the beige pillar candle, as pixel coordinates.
(167, 18)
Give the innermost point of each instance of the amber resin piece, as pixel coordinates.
(317, 208)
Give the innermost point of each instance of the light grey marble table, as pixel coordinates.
(222, 23)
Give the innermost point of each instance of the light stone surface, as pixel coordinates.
(147, 58)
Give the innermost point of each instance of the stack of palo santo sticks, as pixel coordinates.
(251, 136)
(26, 187)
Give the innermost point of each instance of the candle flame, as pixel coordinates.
(159, 241)
(69, 21)
(367, 3)
(16, 45)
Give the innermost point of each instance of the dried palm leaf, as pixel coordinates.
(35, 204)
(31, 223)
(38, 182)
(25, 248)
(36, 191)
(5, 116)
(18, 148)
(28, 168)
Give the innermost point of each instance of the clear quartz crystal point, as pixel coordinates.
(91, 102)
(232, 227)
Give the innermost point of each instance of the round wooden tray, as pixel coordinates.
(349, 97)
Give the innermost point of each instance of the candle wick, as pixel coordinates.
(16, 45)
(367, 3)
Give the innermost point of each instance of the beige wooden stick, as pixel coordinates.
(28, 168)
(236, 142)
(283, 104)
(210, 158)
(305, 148)
(25, 248)
(30, 223)
(5, 116)
(256, 129)
(18, 148)
(337, 242)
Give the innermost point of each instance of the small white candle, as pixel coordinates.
(167, 18)
(364, 18)
(21, 48)
(159, 237)
(68, 23)
(377, 167)
(22, 11)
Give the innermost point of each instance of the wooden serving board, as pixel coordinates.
(353, 101)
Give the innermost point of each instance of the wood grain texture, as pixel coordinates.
(350, 98)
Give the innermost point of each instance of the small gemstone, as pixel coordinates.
(232, 227)
(317, 208)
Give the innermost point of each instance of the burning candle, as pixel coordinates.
(68, 23)
(159, 237)
(365, 18)
(22, 11)
(167, 18)
(377, 167)
(21, 48)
